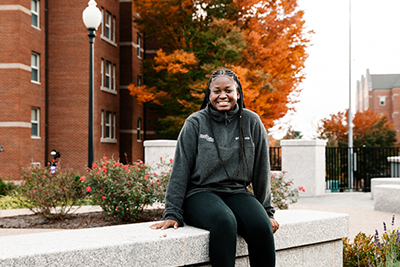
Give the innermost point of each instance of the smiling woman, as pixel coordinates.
(223, 93)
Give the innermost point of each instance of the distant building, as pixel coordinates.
(44, 69)
(381, 93)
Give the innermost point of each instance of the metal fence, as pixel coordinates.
(275, 158)
(369, 162)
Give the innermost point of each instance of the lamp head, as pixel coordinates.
(92, 16)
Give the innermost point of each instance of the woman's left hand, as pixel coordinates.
(275, 225)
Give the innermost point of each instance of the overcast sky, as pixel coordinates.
(375, 44)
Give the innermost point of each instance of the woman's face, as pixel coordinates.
(223, 93)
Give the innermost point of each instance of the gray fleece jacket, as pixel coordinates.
(197, 167)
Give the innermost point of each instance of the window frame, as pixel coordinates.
(108, 125)
(138, 80)
(108, 74)
(382, 101)
(102, 22)
(102, 124)
(37, 68)
(35, 13)
(114, 124)
(36, 122)
(113, 29)
(107, 25)
(139, 129)
(102, 73)
(138, 44)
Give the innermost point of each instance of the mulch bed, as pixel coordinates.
(74, 221)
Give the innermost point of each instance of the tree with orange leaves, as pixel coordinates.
(370, 129)
(263, 42)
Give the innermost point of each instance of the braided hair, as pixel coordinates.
(206, 104)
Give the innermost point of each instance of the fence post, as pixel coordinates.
(304, 163)
(154, 149)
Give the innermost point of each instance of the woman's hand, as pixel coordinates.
(275, 225)
(165, 224)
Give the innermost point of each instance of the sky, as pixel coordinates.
(375, 45)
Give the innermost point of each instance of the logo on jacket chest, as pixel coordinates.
(207, 137)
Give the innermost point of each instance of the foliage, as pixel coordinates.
(283, 193)
(123, 191)
(292, 134)
(50, 195)
(371, 251)
(370, 129)
(10, 202)
(5, 187)
(263, 42)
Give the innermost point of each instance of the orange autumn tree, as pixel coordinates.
(263, 42)
(370, 129)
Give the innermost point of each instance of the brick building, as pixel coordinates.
(381, 93)
(44, 90)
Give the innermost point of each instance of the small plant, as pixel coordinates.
(50, 195)
(283, 193)
(5, 188)
(373, 250)
(123, 191)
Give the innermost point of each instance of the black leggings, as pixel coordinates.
(226, 216)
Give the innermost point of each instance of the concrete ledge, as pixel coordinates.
(382, 181)
(387, 198)
(302, 142)
(305, 238)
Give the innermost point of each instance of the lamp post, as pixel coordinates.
(92, 19)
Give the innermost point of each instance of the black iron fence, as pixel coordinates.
(368, 162)
(275, 158)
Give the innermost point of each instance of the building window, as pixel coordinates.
(108, 25)
(382, 100)
(139, 40)
(35, 122)
(35, 13)
(108, 124)
(114, 68)
(108, 74)
(139, 129)
(102, 73)
(113, 29)
(139, 80)
(34, 67)
(102, 124)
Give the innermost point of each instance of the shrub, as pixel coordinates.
(50, 195)
(123, 191)
(373, 251)
(283, 193)
(5, 188)
(10, 202)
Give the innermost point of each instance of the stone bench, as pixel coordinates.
(305, 238)
(382, 181)
(387, 198)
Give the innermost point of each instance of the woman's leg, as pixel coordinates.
(255, 227)
(207, 211)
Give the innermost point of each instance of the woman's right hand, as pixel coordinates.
(165, 224)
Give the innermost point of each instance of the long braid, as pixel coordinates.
(242, 152)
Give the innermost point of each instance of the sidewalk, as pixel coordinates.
(359, 207)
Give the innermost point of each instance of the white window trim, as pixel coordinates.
(113, 29)
(109, 41)
(382, 99)
(35, 164)
(102, 124)
(36, 67)
(139, 130)
(108, 74)
(139, 41)
(102, 73)
(108, 115)
(107, 90)
(37, 13)
(108, 140)
(102, 24)
(37, 122)
(107, 24)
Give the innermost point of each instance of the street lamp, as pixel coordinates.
(92, 19)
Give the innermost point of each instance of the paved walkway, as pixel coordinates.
(359, 206)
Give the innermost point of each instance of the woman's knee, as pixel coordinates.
(225, 222)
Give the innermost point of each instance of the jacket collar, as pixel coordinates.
(223, 116)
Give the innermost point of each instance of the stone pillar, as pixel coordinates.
(154, 149)
(303, 161)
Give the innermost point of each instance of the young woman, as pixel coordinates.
(221, 149)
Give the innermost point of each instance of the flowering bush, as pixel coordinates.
(50, 195)
(371, 251)
(123, 191)
(283, 193)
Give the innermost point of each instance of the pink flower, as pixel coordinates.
(104, 169)
(140, 162)
(128, 171)
(136, 163)
(155, 174)
(83, 178)
(171, 160)
(160, 158)
(116, 208)
(34, 191)
(103, 197)
(125, 167)
(146, 176)
(105, 158)
(117, 164)
(44, 176)
(103, 163)
(88, 189)
(94, 165)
